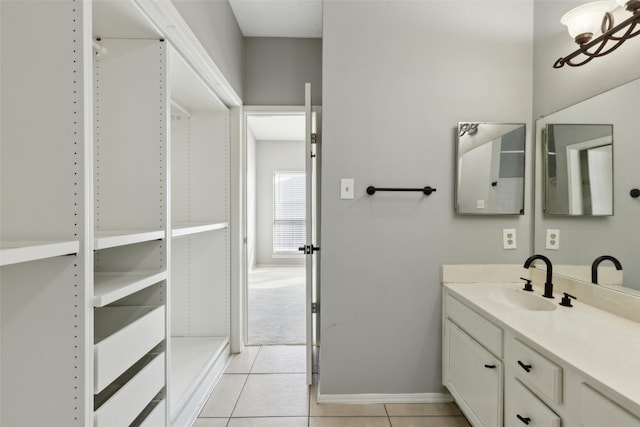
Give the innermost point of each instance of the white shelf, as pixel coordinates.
(110, 239)
(16, 252)
(191, 359)
(194, 228)
(110, 287)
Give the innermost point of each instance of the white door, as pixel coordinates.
(311, 247)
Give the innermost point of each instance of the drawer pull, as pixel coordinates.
(525, 420)
(490, 366)
(525, 367)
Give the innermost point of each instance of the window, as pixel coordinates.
(288, 212)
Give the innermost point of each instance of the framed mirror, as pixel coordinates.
(578, 160)
(490, 168)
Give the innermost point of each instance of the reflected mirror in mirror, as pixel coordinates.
(490, 169)
(578, 169)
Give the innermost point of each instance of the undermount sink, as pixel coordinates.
(522, 299)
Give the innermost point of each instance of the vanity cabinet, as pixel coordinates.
(471, 372)
(498, 377)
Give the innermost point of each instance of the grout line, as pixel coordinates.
(387, 412)
(255, 358)
(238, 399)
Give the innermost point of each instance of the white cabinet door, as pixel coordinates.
(597, 410)
(474, 378)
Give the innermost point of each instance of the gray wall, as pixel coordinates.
(215, 25)
(398, 77)
(273, 156)
(276, 70)
(555, 89)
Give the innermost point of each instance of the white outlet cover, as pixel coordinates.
(509, 238)
(553, 239)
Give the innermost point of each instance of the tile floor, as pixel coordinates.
(265, 386)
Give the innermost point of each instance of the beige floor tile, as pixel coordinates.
(269, 422)
(349, 422)
(422, 409)
(224, 396)
(274, 395)
(338, 410)
(280, 359)
(429, 422)
(211, 422)
(241, 363)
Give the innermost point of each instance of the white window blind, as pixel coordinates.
(288, 212)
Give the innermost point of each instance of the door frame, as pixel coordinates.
(241, 333)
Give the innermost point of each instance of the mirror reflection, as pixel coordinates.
(490, 168)
(584, 239)
(578, 169)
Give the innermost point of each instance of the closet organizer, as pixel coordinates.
(114, 232)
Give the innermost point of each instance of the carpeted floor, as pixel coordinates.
(276, 305)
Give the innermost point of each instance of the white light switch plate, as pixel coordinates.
(509, 238)
(346, 188)
(553, 239)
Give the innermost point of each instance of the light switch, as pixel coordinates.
(509, 238)
(480, 204)
(346, 188)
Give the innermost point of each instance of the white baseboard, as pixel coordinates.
(385, 398)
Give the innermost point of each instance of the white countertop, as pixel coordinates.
(603, 347)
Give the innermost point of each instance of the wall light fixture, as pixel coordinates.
(586, 21)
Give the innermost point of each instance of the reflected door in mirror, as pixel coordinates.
(579, 169)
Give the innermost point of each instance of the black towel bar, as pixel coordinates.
(426, 190)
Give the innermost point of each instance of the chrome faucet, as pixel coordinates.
(548, 286)
(596, 263)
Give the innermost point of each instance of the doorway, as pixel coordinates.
(276, 298)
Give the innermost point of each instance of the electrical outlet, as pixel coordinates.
(553, 239)
(480, 204)
(346, 188)
(509, 238)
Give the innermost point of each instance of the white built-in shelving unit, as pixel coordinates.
(200, 296)
(44, 226)
(114, 219)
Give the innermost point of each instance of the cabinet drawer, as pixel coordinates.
(129, 401)
(483, 331)
(522, 408)
(536, 371)
(124, 335)
(596, 411)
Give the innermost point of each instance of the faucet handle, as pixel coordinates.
(566, 301)
(527, 286)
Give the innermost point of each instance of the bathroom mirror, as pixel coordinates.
(490, 169)
(578, 168)
(581, 239)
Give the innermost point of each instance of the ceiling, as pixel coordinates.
(279, 18)
(277, 127)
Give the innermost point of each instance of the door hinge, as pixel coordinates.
(315, 307)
